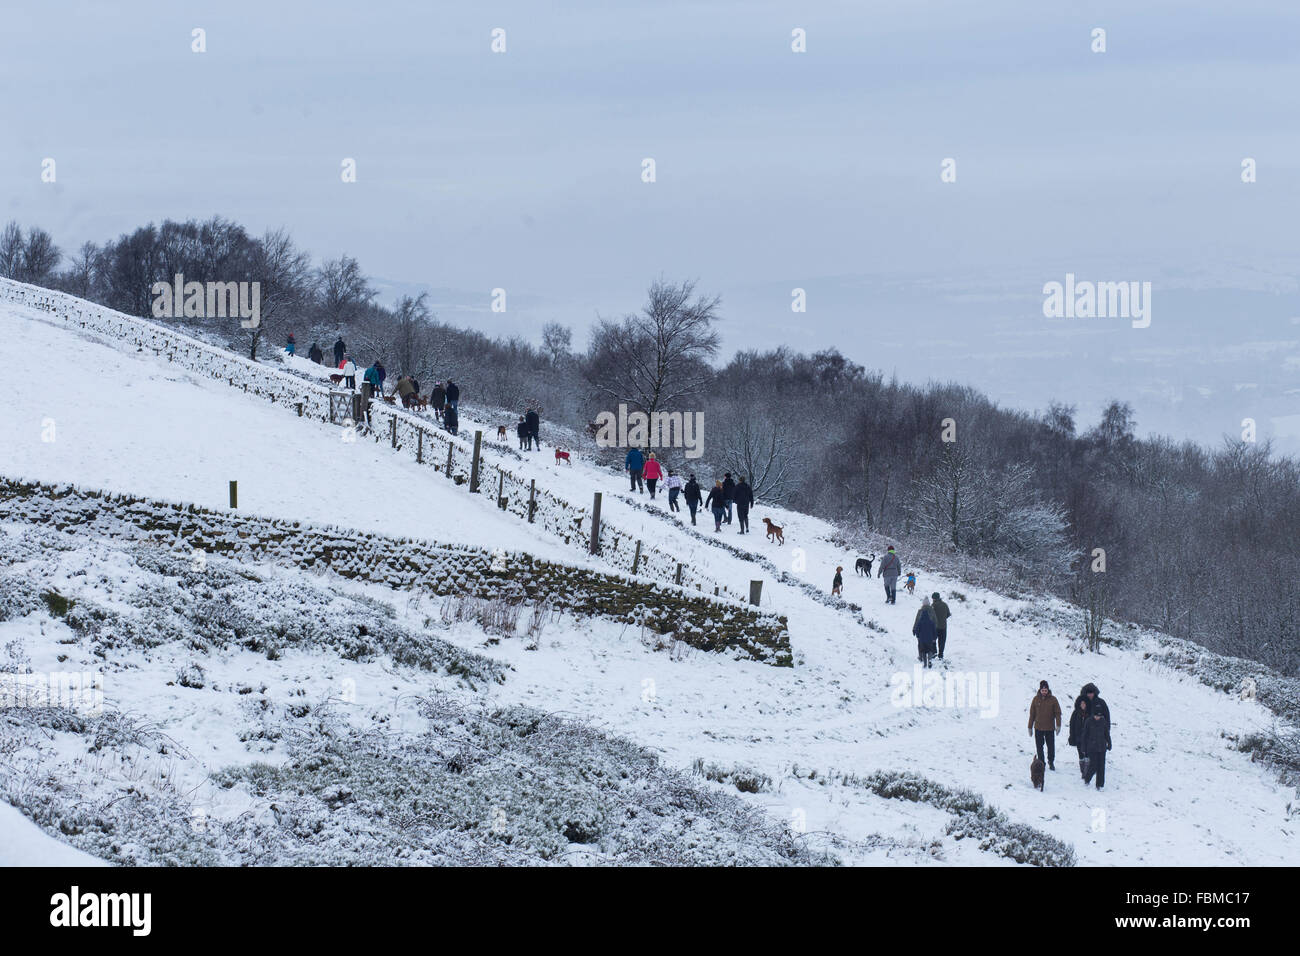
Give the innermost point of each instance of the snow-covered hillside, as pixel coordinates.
(813, 746)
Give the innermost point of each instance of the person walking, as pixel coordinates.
(941, 615)
(837, 583)
(339, 351)
(371, 384)
(1096, 741)
(1077, 720)
(728, 493)
(890, 568)
(383, 374)
(406, 391)
(1095, 703)
(674, 485)
(653, 472)
(291, 345)
(453, 396)
(524, 434)
(450, 420)
(534, 428)
(438, 399)
(744, 499)
(314, 354)
(634, 463)
(1045, 722)
(349, 369)
(717, 504)
(694, 495)
(923, 628)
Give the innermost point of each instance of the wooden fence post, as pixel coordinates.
(532, 500)
(393, 422)
(678, 578)
(234, 494)
(450, 448)
(636, 558)
(419, 446)
(300, 409)
(501, 489)
(755, 592)
(595, 525)
(473, 468)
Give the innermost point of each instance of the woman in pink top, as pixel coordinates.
(652, 473)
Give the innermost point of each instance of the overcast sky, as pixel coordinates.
(775, 170)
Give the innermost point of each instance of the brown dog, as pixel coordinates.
(774, 533)
(501, 432)
(561, 455)
(335, 379)
(422, 402)
(391, 399)
(1036, 774)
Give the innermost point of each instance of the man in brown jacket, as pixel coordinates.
(1045, 722)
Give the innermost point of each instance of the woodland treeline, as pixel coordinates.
(1203, 543)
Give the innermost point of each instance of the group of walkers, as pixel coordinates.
(529, 431)
(443, 399)
(728, 500)
(1089, 730)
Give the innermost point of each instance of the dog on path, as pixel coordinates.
(863, 565)
(501, 432)
(1036, 774)
(562, 456)
(774, 532)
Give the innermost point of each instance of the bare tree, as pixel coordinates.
(557, 340)
(287, 284)
(658, 358)
(343, 289)
(764, 453)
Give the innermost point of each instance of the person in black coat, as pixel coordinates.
(339, 350)
(744, 498)
(717, 503)
(1095, 703)
(728, 493)
(314, 354)
(525, 436)
(693, 496)
(534, 425)
(924, 630)
(453, 395)
(1096, 741)
(450, 420)
(1076, 733)
(437, 399)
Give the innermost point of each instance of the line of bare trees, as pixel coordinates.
(1199, 542)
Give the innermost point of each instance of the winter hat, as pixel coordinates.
(1042, 684)
(891, 547)
(935, 595)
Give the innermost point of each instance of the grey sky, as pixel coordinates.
(775, 170)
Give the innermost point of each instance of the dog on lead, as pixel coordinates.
(774, 532)
(1036, 774)
(863, 565)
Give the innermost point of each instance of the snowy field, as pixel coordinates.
(1177, 791)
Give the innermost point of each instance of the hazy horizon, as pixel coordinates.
(775, 170)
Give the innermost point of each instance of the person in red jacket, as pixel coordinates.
(653, 472)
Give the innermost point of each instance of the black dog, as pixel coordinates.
(864, 565)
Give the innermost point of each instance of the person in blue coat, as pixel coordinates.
(926, 633)
(635, 465)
